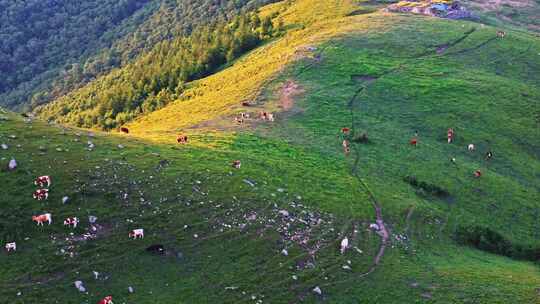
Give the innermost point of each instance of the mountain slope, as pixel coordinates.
(53, 47)
(421, 227)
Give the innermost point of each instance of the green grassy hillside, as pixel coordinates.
(448, 237)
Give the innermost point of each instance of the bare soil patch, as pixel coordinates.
(287, 94)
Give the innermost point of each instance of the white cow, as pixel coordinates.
(11, 246)
(471, 147)
(137, 233)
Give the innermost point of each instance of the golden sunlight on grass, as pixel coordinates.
(220, 95)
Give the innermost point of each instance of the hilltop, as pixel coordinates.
(421, 227)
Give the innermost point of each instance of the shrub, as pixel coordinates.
(486, 239)
(426, 187)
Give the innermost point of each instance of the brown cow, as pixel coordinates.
(124, 130)
(182, 139)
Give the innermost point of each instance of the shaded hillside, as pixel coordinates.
(53, 47)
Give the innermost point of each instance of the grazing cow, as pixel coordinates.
(11, 246)
(270, 117)
(71, 221)
(41, 194)
(42, 180)
(345, 131)
(246, 104)
(489, 155)
(106, 300)
(124, 130)
(414, 142)
(136, 233)
(156, 248)
(244, 115)
(47, 217)
(263, 115)
(182, 139)
(501, 34)
(345, 144)
(347, 150)
(477, 173)
(470, 147)
(239, 120)
(450, 135)
(236, 164)
(344, 245)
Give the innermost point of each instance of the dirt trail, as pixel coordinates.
(382, 231)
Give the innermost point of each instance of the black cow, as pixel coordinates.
(156, 248)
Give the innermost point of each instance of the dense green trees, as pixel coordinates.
(50, 47)
(160, 75)
(41, 35)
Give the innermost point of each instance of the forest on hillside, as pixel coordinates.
(161, 75)
(50, 47)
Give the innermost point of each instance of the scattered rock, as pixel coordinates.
(130, 289)
(317, 290)
(374, 227)
(92, 219)
(12, 164)
(247, 181)
(285, 252)
(65, 199)
(426, 295)
(79, 285)
(284, 213)
(4, 146)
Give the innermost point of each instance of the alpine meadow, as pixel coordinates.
(259, 151)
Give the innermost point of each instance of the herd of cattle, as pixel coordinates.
(450, 136)
(45, 182)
